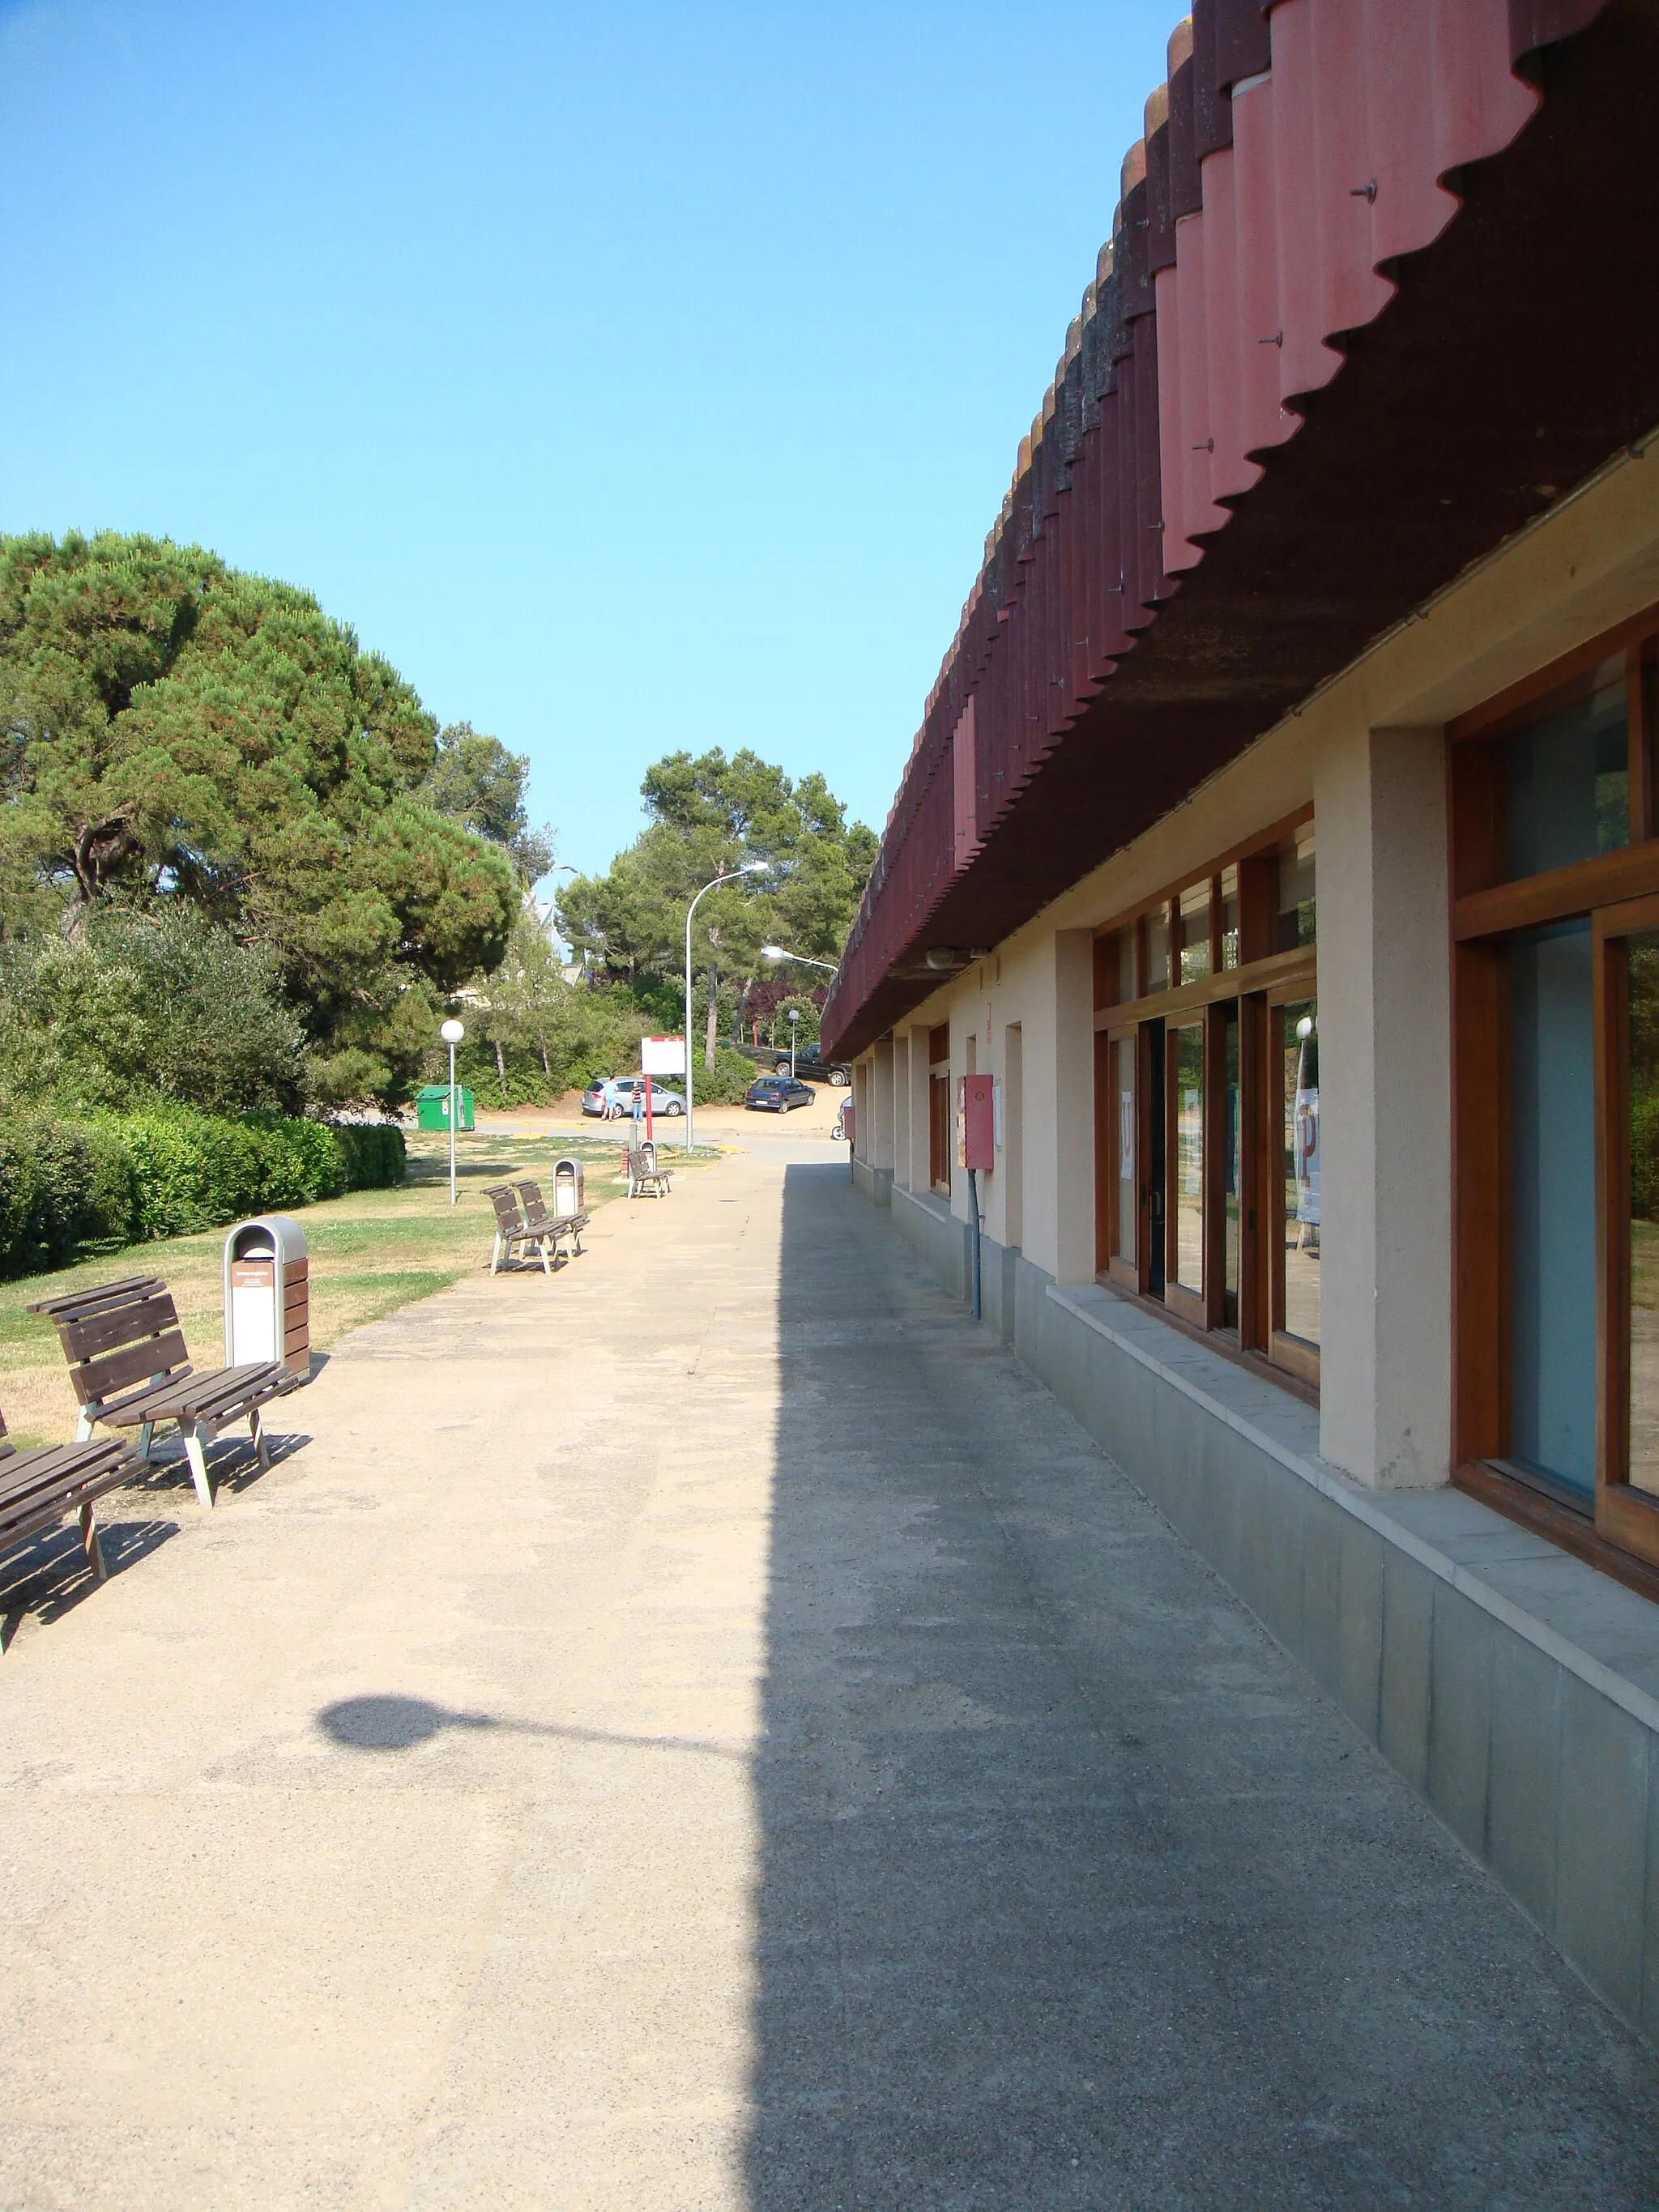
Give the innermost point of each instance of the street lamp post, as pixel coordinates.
(748, 868)
(452, 1033)
(777, 952)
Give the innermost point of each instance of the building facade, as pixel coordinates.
(1282, 839)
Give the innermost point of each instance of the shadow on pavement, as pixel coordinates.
(1074, 1891)
(392, 1723)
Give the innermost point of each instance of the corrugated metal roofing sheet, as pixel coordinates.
(1208, 518)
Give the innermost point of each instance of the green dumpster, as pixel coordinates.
(432, 1106)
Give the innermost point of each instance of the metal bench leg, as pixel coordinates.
(496, 1254)
(93, 1548)
(256, 1428)
(84, 1428)
(146, 1431)
(547, 1261)
(198, 1466)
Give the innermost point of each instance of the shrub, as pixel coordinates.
(373, 1152)
(124, 1179)
(732, 1078)
(45, 1193)
(161, 1005)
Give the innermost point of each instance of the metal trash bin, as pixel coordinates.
(570, 1183)
(432, 1107)
(268, 1294)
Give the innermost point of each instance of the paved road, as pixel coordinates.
(710, 1733)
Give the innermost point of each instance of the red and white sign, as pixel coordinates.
(662, 1055)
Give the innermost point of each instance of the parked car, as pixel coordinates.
(611, 1097)
(777, 1094)
(836, 1072)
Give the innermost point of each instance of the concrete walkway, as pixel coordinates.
(710, 1733)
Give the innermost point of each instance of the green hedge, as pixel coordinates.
(123, 1179)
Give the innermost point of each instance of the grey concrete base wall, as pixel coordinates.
(1514, 1688)
(934, 1233)
(876, 1183)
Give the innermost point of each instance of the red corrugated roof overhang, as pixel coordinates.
(1369, 312)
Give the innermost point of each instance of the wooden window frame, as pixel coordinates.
(1625, 1514)
(1618, 892)
(1262, 982)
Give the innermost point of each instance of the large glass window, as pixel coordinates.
(1298, 1124)
(1553, 1212)
(1192, 918)
(1642, 1124)
(1230, 916)
(1566, 782)
(1124, 1135)
(1187, 1154)
(1555, 1001)
(1157, 950)
(1297, 908)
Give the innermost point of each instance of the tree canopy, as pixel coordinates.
(707, 815)
(175, 730)
(475, 780)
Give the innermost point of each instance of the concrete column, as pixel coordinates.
(1057, 1197)
(1385, 1107)
(918, 1110)
(901, 1141)
(881, 1106)
(1013, 1133)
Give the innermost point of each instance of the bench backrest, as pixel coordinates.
(535, 1206)
(505, 1199)
(117, 1336)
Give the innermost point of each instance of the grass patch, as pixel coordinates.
(372, 1252)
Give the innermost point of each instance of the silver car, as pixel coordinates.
(611, 1097)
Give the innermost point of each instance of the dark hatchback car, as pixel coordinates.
(777, 1094)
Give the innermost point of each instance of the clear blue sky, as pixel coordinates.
(633, 376)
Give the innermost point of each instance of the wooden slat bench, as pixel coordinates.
(555, 1227)
(39, 1489)
(513, 1235)
(131, 1369)
(645, 1178)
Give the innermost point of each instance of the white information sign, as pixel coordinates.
(662, 1055)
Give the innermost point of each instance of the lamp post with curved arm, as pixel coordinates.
(777, 952)
(748, 868)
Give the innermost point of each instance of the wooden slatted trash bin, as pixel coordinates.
(268, 1294)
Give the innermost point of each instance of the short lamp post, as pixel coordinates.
(794, 1032)
(452, 1033)
(748, 868)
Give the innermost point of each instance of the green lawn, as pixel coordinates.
(371, 1252)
